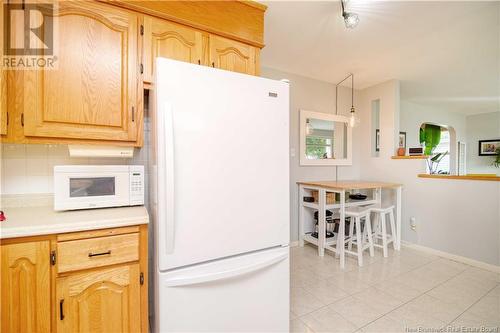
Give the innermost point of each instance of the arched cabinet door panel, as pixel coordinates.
(232, 56)
(106, 300)
(169, 40)
(92, 91)
(25, 287)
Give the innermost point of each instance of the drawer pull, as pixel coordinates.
(99, 254)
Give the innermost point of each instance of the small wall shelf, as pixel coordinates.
(464, 177)
(407, 157)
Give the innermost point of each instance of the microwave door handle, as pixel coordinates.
(166, 177)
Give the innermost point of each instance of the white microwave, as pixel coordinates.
(98, 186)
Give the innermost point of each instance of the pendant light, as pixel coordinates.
(353, 118)
(309, 128)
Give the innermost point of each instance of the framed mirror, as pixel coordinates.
(325, 139)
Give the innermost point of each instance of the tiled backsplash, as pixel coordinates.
(30, 168)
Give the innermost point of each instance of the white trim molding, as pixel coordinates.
(464, 260)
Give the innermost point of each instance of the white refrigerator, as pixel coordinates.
(220, 200)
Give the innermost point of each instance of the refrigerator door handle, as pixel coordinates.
(225, 272)
(166, 177)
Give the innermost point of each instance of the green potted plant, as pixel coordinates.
(496, 162)
(434, 161)
(430, 136)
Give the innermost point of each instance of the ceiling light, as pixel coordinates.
(351, 20)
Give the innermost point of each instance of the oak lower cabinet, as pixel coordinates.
(105, 300)
(92, 93)
(25, 287)
(88, 281)
(174, 41)
(232, 55)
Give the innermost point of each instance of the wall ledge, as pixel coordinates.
(465, 177)
(408, 157)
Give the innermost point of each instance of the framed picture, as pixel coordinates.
(488, 147)
(402, 139)
(377, 140)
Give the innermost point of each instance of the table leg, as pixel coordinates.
(301, 216)
(398, 217)
(378, 195)
(322, 223)
(341, 235)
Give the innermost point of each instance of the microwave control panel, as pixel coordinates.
(136, 185)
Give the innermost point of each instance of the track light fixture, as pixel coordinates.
(351, 20)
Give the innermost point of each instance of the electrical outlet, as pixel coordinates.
(292, 152)
(413, 223)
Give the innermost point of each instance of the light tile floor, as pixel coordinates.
(402, 293)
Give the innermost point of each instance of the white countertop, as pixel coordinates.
(35, 221)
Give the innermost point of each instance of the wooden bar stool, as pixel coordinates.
(359, 216)
(380, 227)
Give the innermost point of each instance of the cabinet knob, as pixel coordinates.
(213, 64)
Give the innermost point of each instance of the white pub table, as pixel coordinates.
(341, 187)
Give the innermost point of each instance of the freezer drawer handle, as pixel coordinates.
(225, 274)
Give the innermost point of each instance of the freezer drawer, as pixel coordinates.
(248, 293)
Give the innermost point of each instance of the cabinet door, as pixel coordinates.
(106, 300)
(3, 86)
(3, 102)
(169, 40)
(92, 91)
(232, 56)
(25, 287)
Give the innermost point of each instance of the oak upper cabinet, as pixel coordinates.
(3, 102)
(25, 287)
(170, 40)
(106, 300)
(3, 86)
(92, 93)
(232, 55)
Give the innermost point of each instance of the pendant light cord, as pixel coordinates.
(337, 103)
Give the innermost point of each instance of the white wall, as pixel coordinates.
(483, 126)
(312, 95)
(458, 217)
(413, 115)
(455, 216)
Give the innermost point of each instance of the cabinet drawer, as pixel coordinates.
(97, 252)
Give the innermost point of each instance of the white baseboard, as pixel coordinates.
(465, 260)
(294, 243)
